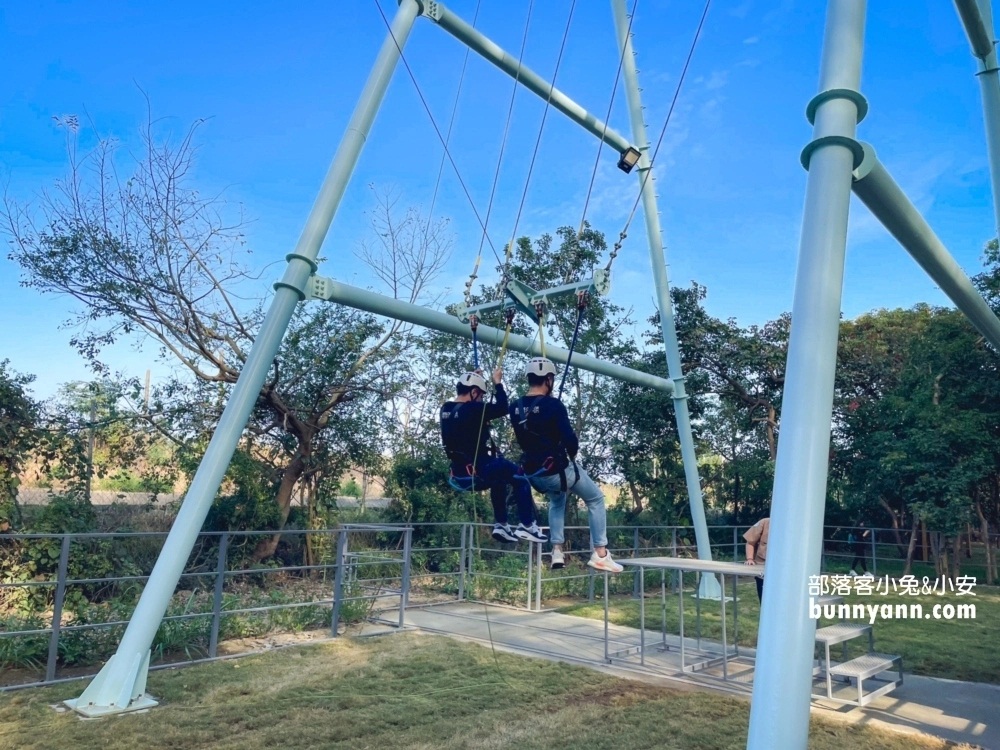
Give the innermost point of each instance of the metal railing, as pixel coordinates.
(355, 572)
(371, 564)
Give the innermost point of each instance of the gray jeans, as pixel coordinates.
(583, 487)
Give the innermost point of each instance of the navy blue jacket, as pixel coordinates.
(464, 427)
(542, 427)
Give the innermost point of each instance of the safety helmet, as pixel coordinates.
(473, 379)
(539, 366)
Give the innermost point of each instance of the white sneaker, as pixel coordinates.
(606, 563)
(867, 574)
(558, 559)
(530, 533)
(503, 533)
(851, 573)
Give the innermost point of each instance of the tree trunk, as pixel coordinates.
(923, 540)
(984, 532)
(912, 546)
(956, 556)
(636, 498)
(771, 425)
(900, 547)
(289, 477)
(936, 552)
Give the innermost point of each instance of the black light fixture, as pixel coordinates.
(629, 158)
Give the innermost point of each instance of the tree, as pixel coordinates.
(19, 424)
(150, 256)
(918, 426)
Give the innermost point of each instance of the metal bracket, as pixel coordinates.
(318, 287)
(521, 296)
(430, 9)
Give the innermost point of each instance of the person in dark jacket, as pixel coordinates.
(549, 449)
(475, 462)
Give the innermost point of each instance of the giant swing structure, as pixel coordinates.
(837, 164)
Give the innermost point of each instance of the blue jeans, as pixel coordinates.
(583, 487)
(496, 475)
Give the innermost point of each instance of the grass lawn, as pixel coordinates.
(956, 649)
(406, 691)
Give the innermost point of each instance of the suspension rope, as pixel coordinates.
(474, 324)
(581, 306)
(503, 143)
(607, 118)
(511, 312)
(541, 128)
(666, 122)
(540, 312)
(493, 189)
(451, 126)
(437, 130)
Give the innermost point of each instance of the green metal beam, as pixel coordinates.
(509, 64)
(361, 299)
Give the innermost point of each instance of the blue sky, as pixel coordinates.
(279, 82)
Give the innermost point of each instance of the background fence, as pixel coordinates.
(65, 598)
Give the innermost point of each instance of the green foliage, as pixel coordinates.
(38, 559)
(26, 651)
(919, 424)
(251, 503)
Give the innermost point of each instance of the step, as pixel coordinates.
(866, 666)
(842, 631)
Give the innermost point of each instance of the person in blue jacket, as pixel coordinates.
(549, 450)
(476, 464)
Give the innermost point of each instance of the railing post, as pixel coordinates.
(404, 593)
(635, 553)
(736, 544)
(338, 580)
(673, 553)
(874, 559)
(461, 565)
(529, 579)
(538, 579)
(220, 580)
(472, 550)
(57, 607)
(590, 585)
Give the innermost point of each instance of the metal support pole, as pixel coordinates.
(657, 257)
(977, 18)
(361, 299)
(57, 607)
(121, 684)
(461, 566)
(472, 557)
(779, 709)
(676, 576)
(887, 201)
(338, 580)
(538, 577)
(509, 64)
(220, 581)
(529, 578)
(636, 589)
(404, 588)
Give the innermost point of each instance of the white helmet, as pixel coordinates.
(539, 366)
(473, 379)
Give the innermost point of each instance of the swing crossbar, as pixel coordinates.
(519, 295)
